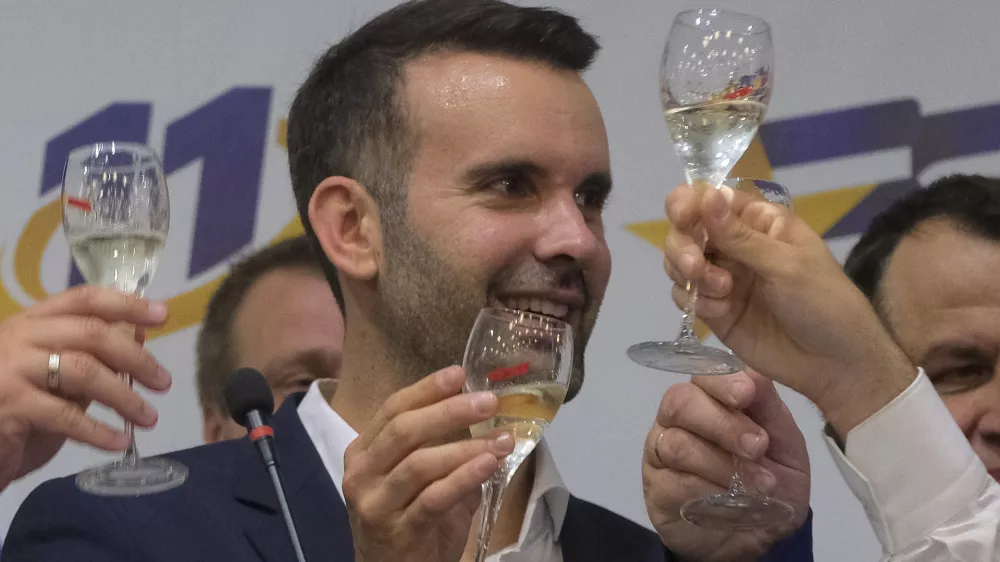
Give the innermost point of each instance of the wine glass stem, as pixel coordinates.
(688, 316)
(131, 455)
(493, 490)
(736, 485)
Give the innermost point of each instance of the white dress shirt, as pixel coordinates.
(926, 493)
(543, 519)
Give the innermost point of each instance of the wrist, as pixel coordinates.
(860, 392)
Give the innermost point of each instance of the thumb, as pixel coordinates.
(768, 410)
(732, 236)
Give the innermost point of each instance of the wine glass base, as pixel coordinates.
(685, 358)
(139, 478)
(739, 511)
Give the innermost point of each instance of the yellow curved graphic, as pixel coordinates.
(282, 136)
(36, 236)
(8, 305)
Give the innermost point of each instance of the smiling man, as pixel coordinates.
(931, 266)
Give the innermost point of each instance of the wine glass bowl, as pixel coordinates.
(716, 55)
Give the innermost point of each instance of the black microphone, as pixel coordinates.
(250, 403)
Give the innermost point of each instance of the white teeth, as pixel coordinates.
(540, 306)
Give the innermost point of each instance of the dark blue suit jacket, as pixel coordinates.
(228, 511)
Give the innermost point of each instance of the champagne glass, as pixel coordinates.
(116, 213)
(715, 83)
(526, 360)
(738, 508)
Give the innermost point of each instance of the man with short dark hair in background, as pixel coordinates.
(931, 266)
(274, 312)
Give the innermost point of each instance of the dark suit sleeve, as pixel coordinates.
(57, 523)
(796, 548)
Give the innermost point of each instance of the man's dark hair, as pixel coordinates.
(349, 118)
(215, 359)
(971, 203)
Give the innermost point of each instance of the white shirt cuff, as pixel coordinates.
(910, 466)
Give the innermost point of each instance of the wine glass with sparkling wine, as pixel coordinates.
(116, 213)
(525, 359)
(739, 508)
(715, 82)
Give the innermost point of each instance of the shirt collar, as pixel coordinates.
(329, 433)
(548, 487)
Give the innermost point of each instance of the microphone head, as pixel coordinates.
(247, 390)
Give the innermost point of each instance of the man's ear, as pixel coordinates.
(213, 425)
(346, 221)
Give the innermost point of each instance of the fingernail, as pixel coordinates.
(483, 402)
(121, 441)
(750, 443)
(715, 280)
(450, 378)
(776, 227)
(765, 481)
(157, 310)
(719, 206)
(163, 377)
(148, 414)
(686, 264)
(737, 390)
(486, 465)
(504, 443)
(728, 194)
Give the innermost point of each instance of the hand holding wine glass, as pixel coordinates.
(738, 507)
(116, 214)
(784, 303)
(39, 412)
(699, 426)
(411, 489)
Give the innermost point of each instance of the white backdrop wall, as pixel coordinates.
(920, 77)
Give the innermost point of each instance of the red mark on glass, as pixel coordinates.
(504, 373)
(741, 93)
(79, 204)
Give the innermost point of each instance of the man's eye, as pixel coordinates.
(512, 186)
(962, 378)
(591, 198)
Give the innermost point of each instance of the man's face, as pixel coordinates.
(504, 205)
(942, 296)
(288, 327)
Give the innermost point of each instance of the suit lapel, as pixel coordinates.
(591, 533)
(319, 513)
(577, 539)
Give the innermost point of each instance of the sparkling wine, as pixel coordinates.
(711, 137)
(524, 411)
(125, 262)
